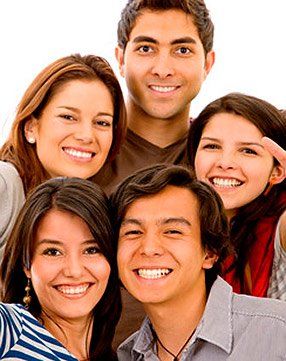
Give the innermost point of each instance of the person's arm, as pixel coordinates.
(277, 152)
(282, 231)
(12, 198)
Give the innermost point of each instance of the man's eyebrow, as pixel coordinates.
(143, 38)
(184, 40)
(149, 39)
(133, 221)
(180, 220)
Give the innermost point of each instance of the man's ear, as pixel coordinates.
(210, 59)
(277, 175)
(119, 54)
(210, 259)
(31, 129)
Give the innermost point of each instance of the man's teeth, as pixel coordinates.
(163, 89)
(222, 182)
(78, 153)
(153, 273)
(68, 290)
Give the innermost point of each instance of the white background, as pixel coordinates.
(249, 43)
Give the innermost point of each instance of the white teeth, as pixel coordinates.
(163, 89)
(222, 182)
(72, 290)
(77, 153)
(153, 273)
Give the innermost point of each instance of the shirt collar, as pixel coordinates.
(215, 326)
(216, 323)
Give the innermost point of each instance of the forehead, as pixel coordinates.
(234, 126)
(171, 202)
(164, 25)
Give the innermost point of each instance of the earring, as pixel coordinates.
(268, 188)
(27, 298)
(31, 140)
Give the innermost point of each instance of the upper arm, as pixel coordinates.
(282, 231)
(11, 199)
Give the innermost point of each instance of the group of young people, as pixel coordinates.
(188, 201)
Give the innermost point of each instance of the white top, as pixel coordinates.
(12, 198)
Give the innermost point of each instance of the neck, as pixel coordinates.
(74, 335)
(158, 131)
(175, 322)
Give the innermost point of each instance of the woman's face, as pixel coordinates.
(231, 158)
(74, 132)
(68, 272)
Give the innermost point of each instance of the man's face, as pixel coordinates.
(164, 64)
(160, 255)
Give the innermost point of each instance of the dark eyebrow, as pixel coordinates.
(148, 39)
(138, 222)
(240, 143)
(180, 220)
(184, 40)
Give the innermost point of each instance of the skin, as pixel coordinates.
(69, 276)
(74, 133)
(164, 66)
(231, 158)
(162, 232)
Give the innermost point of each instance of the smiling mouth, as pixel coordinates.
(73, 290)
(225, 182)
(78, 153)
(163, 89)
(153, 273)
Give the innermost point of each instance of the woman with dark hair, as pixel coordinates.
(70, 121)
(59, 282)
(227, 150)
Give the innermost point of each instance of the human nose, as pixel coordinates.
(226, 161)
(163, 67)
(151, 245)
(73, 266)
(84, 132)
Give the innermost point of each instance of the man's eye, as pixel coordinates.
(183, 50)
(173, 231)
(144, 49)
(51, 252)
(132, 232)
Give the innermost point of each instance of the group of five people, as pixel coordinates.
(172, 233)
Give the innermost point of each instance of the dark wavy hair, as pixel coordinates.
(152, 180)
(87, 201)
(196, 8)
(271, 123)
(18, 151)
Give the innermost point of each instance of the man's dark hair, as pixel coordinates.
(152, 180)
(196, 8)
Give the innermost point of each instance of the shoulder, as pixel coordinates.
(282, 230)
(9, 176)
(260, 309)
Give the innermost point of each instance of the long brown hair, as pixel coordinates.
(23, 155)
(271, 123)
(87, 201)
